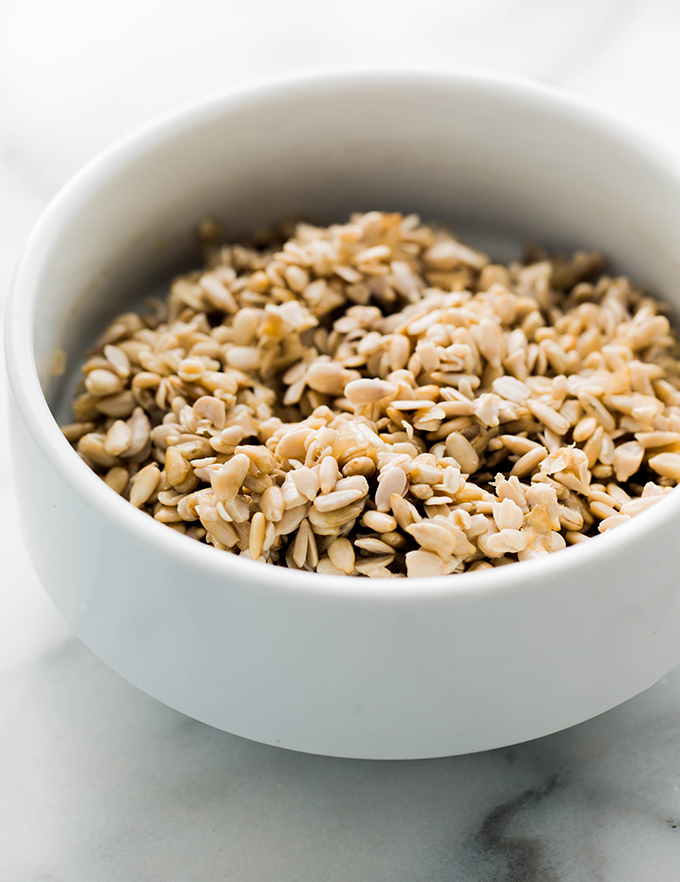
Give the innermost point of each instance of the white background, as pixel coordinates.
(98, 781)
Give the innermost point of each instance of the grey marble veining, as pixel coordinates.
(99, 781)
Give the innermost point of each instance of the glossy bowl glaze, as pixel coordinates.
(348, 667)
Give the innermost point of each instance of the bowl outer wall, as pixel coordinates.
(364, 669)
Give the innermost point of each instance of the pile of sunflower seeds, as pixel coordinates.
(378, 399)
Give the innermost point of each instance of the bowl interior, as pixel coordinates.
(501, 163)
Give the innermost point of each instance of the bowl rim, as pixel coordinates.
(29, 399)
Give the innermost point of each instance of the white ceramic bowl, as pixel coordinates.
(347, 667)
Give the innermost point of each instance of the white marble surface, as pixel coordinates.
(98, 781)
